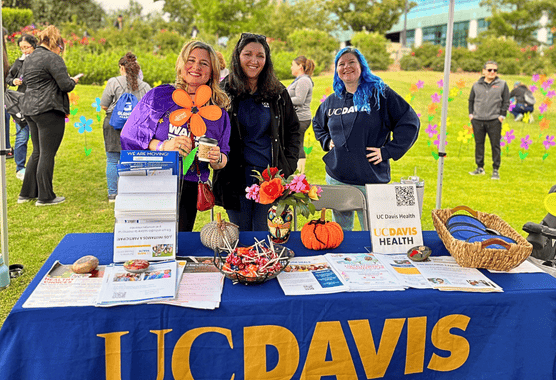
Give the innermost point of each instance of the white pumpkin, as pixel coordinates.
(216, 234)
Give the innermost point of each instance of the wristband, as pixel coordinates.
(159, 145)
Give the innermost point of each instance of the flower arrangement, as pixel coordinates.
(293, 191)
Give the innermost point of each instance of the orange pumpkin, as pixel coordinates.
(320, 234)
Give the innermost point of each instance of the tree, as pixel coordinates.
(58, 11)
(284, 18)
(371, 15)
(517, 19)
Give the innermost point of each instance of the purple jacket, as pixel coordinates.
(150, 120)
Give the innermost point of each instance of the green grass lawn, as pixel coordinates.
(33, 232)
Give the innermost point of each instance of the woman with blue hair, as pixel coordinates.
(362, 125)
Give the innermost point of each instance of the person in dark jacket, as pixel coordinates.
(265, 131)
(522, 107)
(45, 106)
(27, 44)
(489, 101)
(362, 125)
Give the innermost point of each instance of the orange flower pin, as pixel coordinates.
(194, 111)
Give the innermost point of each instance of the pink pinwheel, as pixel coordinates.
(431, 130)
(535, 77)
(542, 108)
(437, 142)
(420, 84)
(525, 142)
(550, 94)
(550, 81)
(435, 98)
(440, 83)
(548, 142)
(545, 86)
(509, 136)
(533, 88)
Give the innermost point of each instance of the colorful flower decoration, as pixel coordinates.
(535, 78)
(550, 94)
(544, 124)
(420, 84)
(96, 104)
(460, 84)
(440, 83)
(548, 142)
(73, 98)
(437, 141)
(463, 136)
(194, 111)
(543, 107)
(432, 109)
(526, 142)
(509, 136)
(533, 88)
(431, 130)
(84, 125)
(436, 98)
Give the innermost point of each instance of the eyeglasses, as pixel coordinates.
(492, 70)
(258, 37)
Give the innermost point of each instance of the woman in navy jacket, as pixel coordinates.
(45, 106)
(265, 131)
(362, 125)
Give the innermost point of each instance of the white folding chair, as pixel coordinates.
(342, 198)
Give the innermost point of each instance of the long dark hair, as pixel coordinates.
(268, 86)
(129, 62)
(30, 39)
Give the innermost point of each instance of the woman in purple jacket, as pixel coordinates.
(149, 127)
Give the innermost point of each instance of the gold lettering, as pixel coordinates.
(375, 363)
(416, 340)
(182, 350)
(328, 334)
(112, 354)
(256, 338)
(160, 351)
(457, 345)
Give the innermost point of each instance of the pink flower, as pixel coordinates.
(437, 142)
(299, 184)
(440, 83)
(510, 136)
(431, 130)
(545, 86)
(535, 77)
(323, 98)
(543, 108)
(533, 88)
(550, 94)
(420, 84)
(525, 142)
(435, 98)
(253, 192)
(548, 142)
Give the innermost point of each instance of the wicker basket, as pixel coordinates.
(478, 255)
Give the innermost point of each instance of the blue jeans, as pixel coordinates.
(345, 219)
(20, 148)
(251, 217)
(112, 159)
(7, 121)
(521, 108)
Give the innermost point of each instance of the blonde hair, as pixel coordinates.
(218, 97)
(221, 60)
(51, 38)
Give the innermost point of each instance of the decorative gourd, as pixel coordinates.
(320, 234)
(214, 234)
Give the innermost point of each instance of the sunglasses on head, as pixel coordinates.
(492, 70)
(258, 37)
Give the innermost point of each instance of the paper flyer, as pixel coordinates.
(394, 217)
(310, 275)
(148, 241)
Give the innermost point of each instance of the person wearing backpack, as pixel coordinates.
(119, 97)
(525, 102)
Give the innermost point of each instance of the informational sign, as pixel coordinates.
(394, 217)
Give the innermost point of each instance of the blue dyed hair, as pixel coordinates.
(369, 84)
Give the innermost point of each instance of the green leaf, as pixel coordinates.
(187, 161)
(88, 151)
(74, 111)
(523, 155)
(307, 149)
(545, 155)
(435, 155)
(98, 117)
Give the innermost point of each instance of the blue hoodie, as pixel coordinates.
(394, 127)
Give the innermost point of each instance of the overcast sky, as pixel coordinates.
(148, 5)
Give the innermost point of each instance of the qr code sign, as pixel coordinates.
(405, 196)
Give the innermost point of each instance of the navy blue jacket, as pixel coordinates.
(393, 127)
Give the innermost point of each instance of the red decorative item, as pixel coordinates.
(205, 197)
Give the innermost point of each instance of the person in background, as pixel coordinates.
(489, 101)
(45, 106)
(301, 93)
(521, 107)
(265, 131)
(362, 125)
(148, 126)
(27, 44)
(223, 70)
(127, 81)
(9, 153)
(119, 23)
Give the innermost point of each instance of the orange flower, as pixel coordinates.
(460, 83)
(270, 191)
(73, 98)
(194, 110)
(432, 109)
(544, 124)
(413, 88)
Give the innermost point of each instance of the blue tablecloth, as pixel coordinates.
(258, 333)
